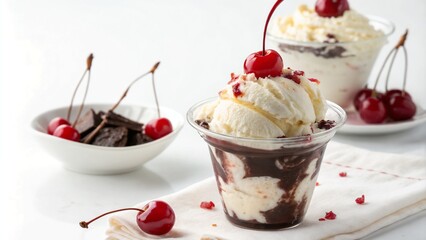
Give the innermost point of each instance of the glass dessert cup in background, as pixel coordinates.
(267, 183)
(342, 68)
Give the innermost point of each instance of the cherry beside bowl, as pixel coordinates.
(99, 160)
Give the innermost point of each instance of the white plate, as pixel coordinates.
(355, 125)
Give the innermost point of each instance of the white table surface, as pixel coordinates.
(44, 46)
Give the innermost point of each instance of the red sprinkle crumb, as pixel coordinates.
(321, 219)
(317, 184)
(236, 90)
(343, 174)
(233, 77)
(207, 205)
(330, 215)
(360, 200)
(299, 73)
(314, 80)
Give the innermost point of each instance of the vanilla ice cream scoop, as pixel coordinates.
(283, 106)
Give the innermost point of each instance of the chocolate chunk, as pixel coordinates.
(111, 137)
(87, 122)
(114, 119)
(203, 124)
(136, 138)
(326, 124)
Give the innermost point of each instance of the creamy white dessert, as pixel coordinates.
(266, 182)
(339, 51)
(266, 107)
(307, 26)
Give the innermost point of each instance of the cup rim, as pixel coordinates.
(388, 25)
(291, 140)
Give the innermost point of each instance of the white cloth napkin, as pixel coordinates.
(394, 187)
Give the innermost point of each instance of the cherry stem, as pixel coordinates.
(85, 224)
(155, 95)
(88, 67)
(390, 68)
(89, 138)
(381, 69)
(267, 23)
(405, 69)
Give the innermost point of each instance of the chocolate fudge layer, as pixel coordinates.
(265, 189)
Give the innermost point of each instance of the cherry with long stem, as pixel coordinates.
(156, 217)
(267, 23)
(87, 71)
(401, 43)
(267, 62)
(90, 137)
(155, 95)
(85, 224)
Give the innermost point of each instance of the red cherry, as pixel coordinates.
(393, 92)
(265, 63)
(157, 218)
(364, 94)
(372, 110)
(401, 107)
(54, 123)
(268, 65)
(67, 132)
(158, 128)
(331, 8)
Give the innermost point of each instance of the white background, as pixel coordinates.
(199, 43)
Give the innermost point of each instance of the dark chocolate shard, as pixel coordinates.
(89, 121)
(203, 124)
(136, 138)
(111, 137)
(114, 119)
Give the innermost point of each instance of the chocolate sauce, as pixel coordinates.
(289, 165)
(324, 52)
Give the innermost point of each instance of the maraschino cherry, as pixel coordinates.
(55, 123)
(158, 127)
(372, 110)
(369, 104)
(265, 63)
(69, 132)
(331, 8)
(399, 103)
(155, 218)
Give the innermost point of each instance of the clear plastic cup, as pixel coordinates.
(342, 68)
(267, 183)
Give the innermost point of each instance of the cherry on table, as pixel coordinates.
(401, 107)
(372, 110)
(55, 123)
(155, 218)
(67, 132)
(158, 128)
(331, 8)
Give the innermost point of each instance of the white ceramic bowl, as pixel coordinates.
(90, 159)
